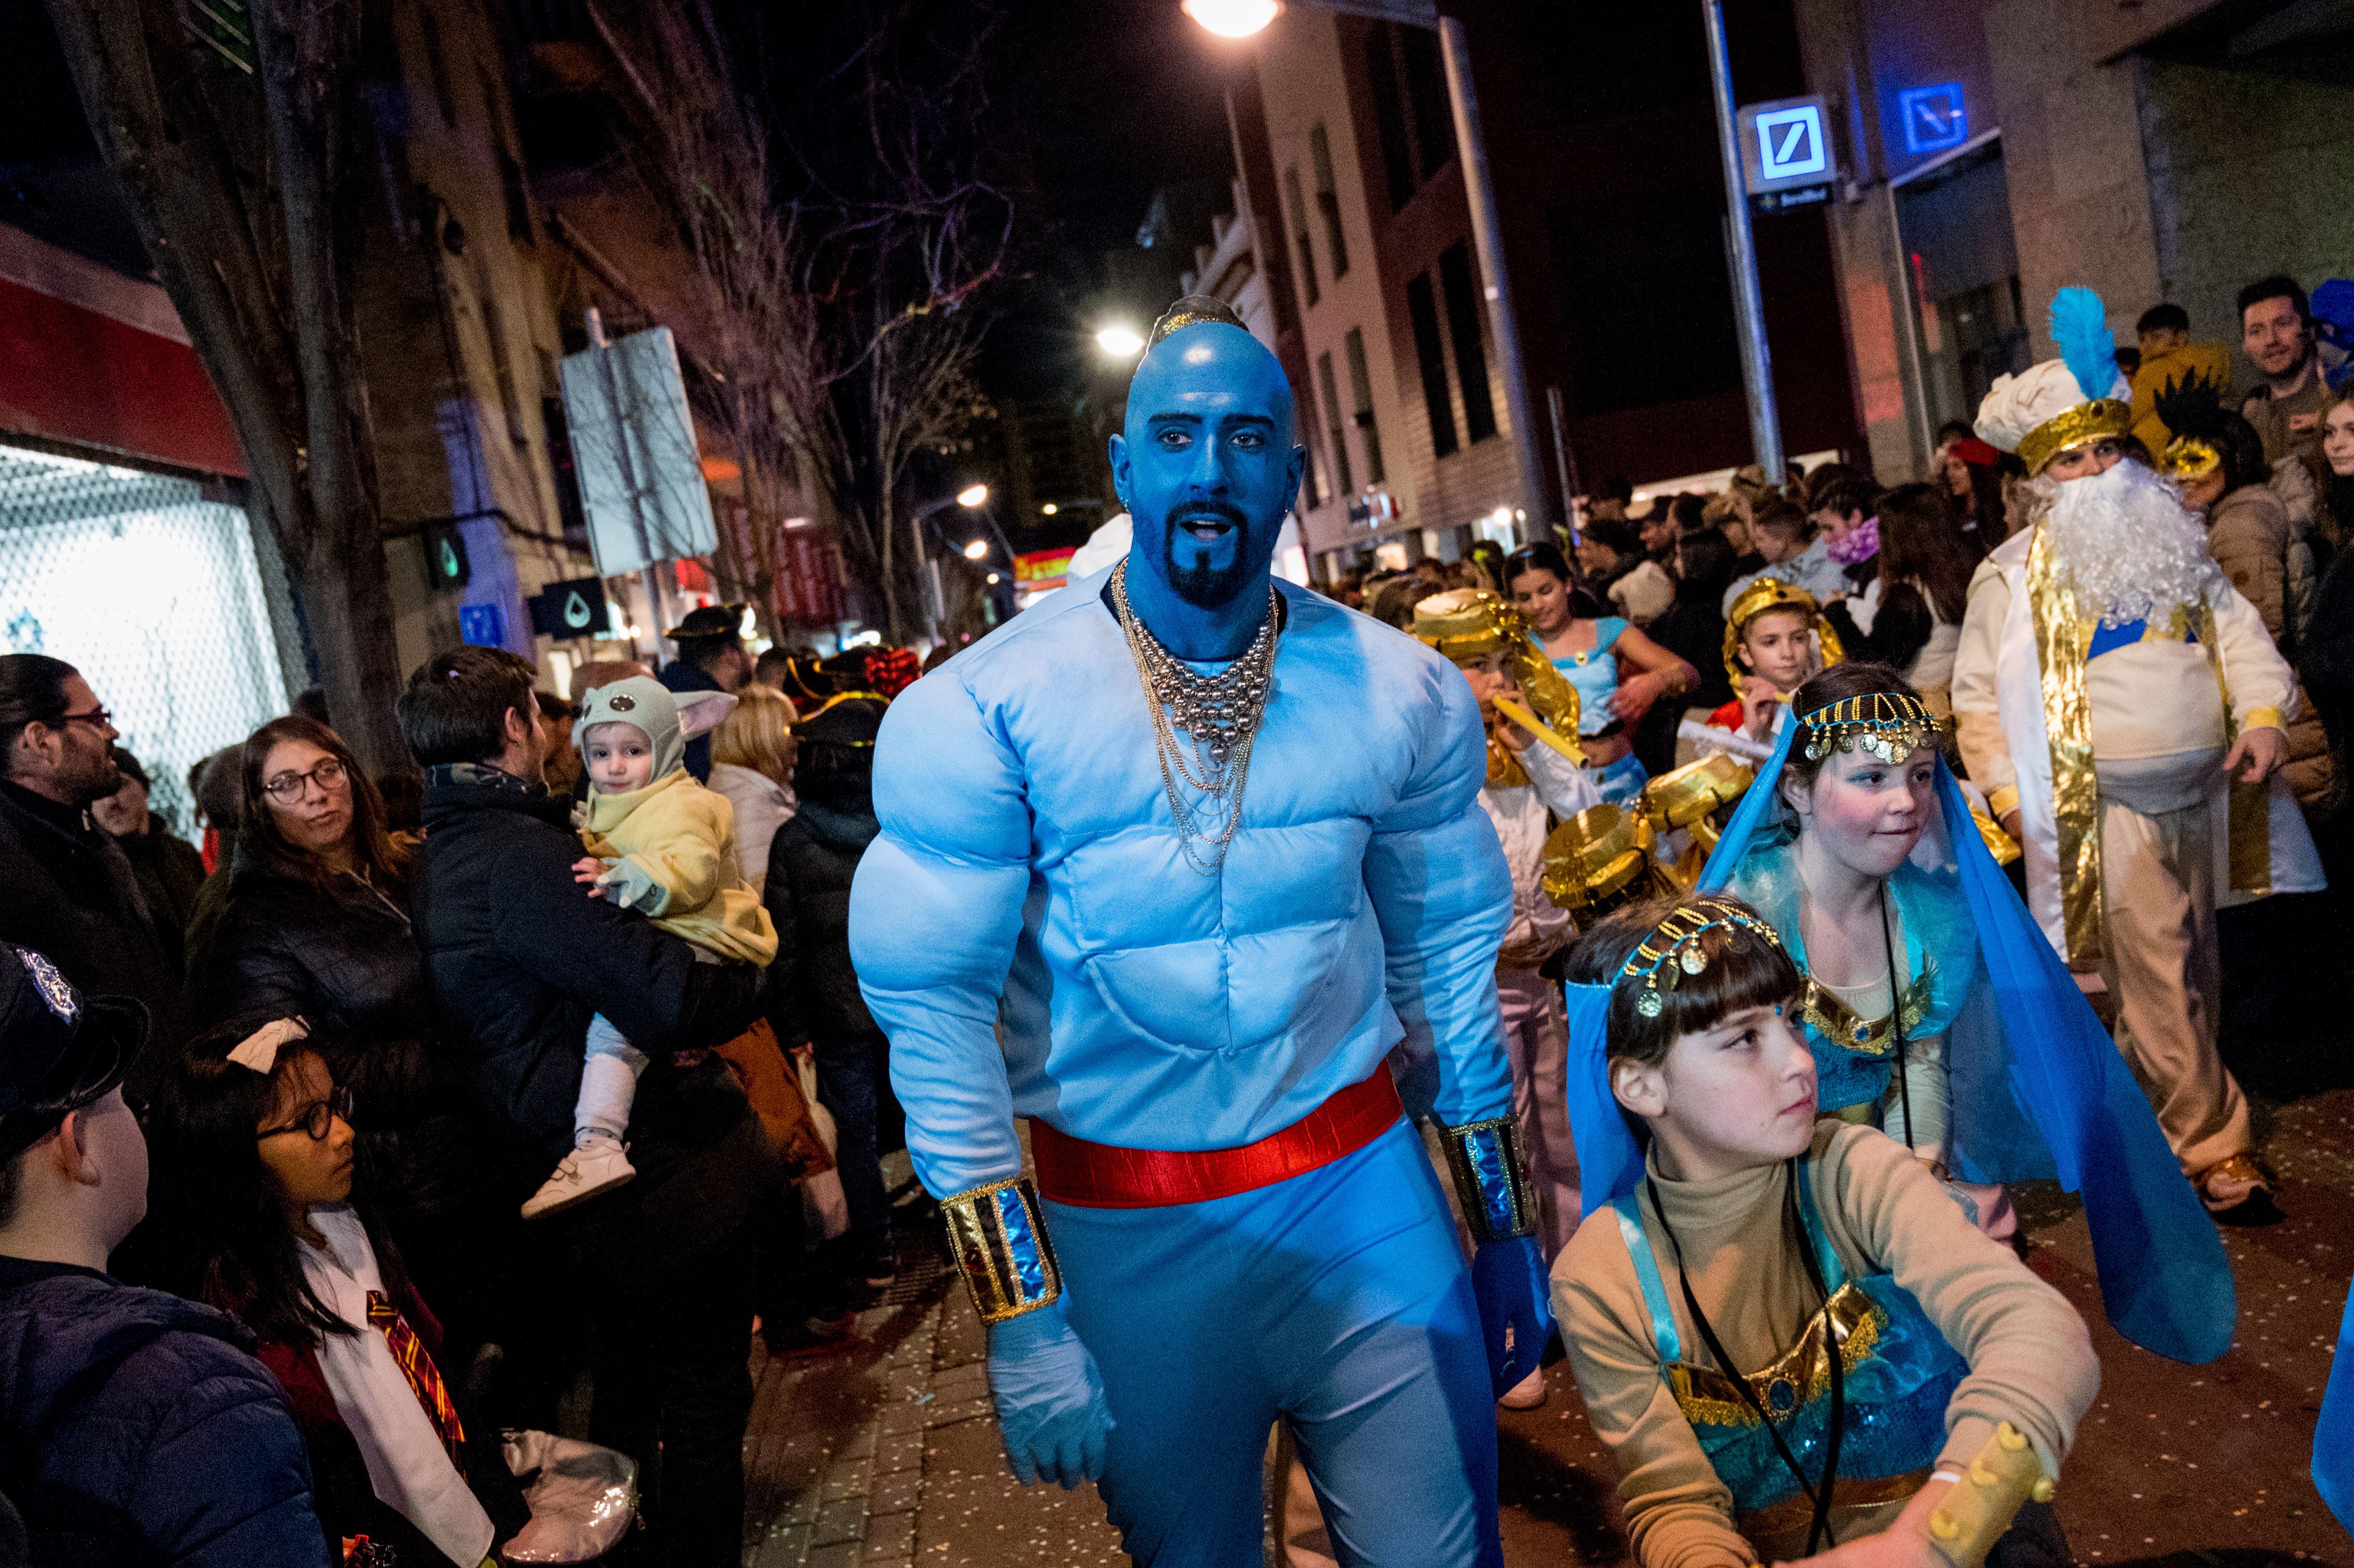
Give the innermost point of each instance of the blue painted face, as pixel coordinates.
(1206, 465)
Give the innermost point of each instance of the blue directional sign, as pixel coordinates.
(1784, 145)
(1934, 117)
(482, 625)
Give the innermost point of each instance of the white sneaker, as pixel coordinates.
(1525, 1395)
(599, 1167)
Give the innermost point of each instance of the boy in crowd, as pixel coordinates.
(146, 1431)
(1781, 532)
(1774, 641)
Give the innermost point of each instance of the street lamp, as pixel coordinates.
(1241, 18)
(977, 550)
(1120, 342)
(1233, 18)
(970, 497)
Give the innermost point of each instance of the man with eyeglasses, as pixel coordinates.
(66, 887)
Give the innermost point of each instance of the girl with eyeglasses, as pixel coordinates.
(256, 1211)
(1619, 673)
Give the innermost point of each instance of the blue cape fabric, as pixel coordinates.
(2333, 1440)
(2050, 1080)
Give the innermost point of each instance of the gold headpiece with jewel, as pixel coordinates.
(1467, 625)
(1773, 593)
(2101, 418)
(1673, 947)
(1891, 726)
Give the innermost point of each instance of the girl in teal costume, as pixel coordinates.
(2033, 1085)
(1619, 673)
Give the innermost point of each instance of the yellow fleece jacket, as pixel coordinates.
(680, 838)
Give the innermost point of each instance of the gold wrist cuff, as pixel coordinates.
(2262, 718)
(2005, 1475)
(1492, 1177)
(2003, 801)
(998, 1237)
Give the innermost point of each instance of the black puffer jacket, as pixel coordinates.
(66, 891)
(341, 956)
(811, 863)
(518, 959)
(136, 1429)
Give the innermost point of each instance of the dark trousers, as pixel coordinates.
(675, 1392)
(851, 1079)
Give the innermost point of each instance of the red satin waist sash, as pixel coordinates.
(1097, 1176)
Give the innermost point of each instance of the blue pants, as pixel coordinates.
(1337, 1299)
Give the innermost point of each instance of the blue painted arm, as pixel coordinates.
(1443, 895)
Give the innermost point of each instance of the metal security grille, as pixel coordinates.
(153, 592)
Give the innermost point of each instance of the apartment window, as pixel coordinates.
(1331, 400)
(1360, 384)
(1464, 318)
(1300, 233)
(1319, 479)
(1421, 308)
(1327, 200)
(1409, 90)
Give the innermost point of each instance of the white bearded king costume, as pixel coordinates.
(2107, 667)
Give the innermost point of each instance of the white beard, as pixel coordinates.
(2129, 547)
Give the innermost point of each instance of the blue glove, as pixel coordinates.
(1050, 1401)
(1508, 1277)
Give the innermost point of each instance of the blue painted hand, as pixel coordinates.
(1515, 1306)
(1050, 1401)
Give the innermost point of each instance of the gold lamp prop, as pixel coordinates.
(1690, 798)
(1600, 858)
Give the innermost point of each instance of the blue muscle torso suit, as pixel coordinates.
(1026, 849)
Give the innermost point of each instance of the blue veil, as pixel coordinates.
(2333, 1437)
(2040, 1091)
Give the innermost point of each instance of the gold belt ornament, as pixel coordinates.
(1829, 1014)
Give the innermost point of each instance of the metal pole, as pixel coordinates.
(1749, 304)
(1488, 239)
(925, 568)
(1562, 460)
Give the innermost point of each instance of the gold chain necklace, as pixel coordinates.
(1221, 714)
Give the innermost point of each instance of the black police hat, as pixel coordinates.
(711, 621)
(60, 1050)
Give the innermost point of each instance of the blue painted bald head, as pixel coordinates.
(1207, 467)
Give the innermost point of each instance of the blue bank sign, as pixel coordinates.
(1784, 145)
(1934, 117)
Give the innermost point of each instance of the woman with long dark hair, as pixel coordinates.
(253, 1193)
(1619, 673)
(315, 926)
(1925, 589)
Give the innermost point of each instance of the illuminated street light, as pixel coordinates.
(977, 550)
(1120, 342)
(995, 578)
(1233, 18)
(1049, 509)
(972, 495)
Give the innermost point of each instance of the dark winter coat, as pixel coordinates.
(810, 862)
(518, 959)
(170, 873)
(66, 891)
(342, 957)
(136, 1429)
(683, 675)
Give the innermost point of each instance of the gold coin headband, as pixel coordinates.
(1891, 726)
(1673, 947)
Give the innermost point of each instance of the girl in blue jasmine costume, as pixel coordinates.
(1845, 1362)
(1596, 655)
(1858, 847)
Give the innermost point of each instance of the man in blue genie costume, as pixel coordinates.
(1215, 843)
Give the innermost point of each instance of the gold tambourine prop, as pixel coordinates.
(1600, 858)
(1467, 625)
(1773, 593)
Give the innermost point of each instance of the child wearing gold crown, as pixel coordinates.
(1775, 638)
(1786, 1336)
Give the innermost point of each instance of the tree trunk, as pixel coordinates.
(256, 298)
